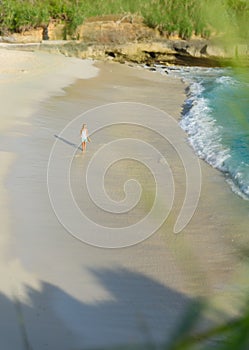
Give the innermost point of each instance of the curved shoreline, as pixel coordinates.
(71, 291)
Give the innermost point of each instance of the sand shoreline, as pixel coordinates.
(27, 79)
(76, 284)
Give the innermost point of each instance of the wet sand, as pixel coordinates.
(75, 296)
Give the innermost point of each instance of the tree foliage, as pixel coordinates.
(182, 17)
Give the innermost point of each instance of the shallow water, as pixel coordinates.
(216, 118)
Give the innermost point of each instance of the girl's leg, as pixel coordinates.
(83, 146)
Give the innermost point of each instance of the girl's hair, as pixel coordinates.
(84, 125)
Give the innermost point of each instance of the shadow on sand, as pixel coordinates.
(68, 142)
(135, 312)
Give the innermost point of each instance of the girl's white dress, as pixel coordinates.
(84, 135)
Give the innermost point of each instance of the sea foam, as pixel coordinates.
(213, 130)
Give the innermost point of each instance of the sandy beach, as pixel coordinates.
(57, 292)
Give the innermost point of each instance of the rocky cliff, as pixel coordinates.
(127, 38)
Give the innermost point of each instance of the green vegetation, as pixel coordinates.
(182, 17)
(233, 334)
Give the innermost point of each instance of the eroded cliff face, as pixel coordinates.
(127, 38)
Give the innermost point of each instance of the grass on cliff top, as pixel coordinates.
(182, 17)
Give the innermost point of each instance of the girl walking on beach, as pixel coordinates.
(84, 137)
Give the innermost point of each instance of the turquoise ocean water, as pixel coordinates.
(216, 119)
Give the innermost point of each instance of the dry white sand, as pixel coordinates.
(59, 293)
(26, 79)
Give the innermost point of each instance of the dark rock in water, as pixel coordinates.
(152, 69)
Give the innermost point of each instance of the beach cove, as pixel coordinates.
(68, 293)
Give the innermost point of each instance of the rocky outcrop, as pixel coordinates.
(30, 36)
(120, 31)
(127, 38)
